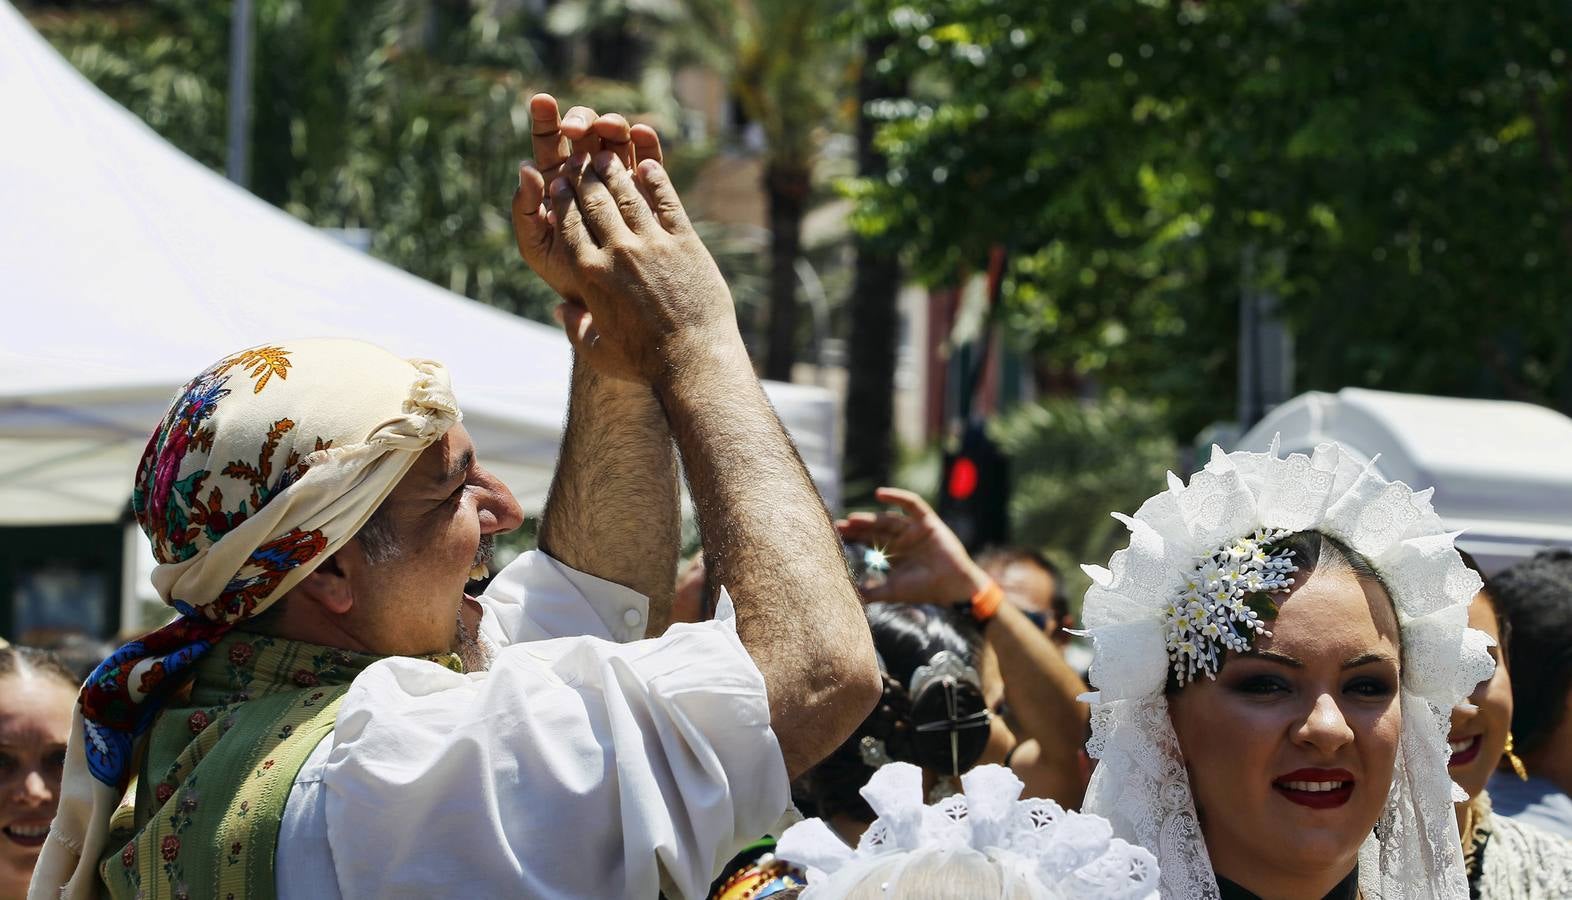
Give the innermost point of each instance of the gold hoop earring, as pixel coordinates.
(1514, 760)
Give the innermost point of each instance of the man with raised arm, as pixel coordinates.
(332, 715)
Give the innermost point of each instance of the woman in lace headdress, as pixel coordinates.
(1506, 859)
(1276, 657)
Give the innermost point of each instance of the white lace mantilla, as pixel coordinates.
(1044, 850)
(1140, 784)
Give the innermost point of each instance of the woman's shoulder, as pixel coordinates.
(1537, 862)
(1530, 839)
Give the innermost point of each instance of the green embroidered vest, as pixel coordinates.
(202, 817)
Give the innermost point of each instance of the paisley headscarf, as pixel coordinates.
(265, 465)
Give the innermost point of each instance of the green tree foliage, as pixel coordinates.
(1400, 174)
(775, 56)
(404, 117)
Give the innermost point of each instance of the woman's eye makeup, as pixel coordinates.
(1371, 686)
(1260, 684)
(1264, 684)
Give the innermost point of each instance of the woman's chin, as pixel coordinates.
(1323, 852)
(1309, 850)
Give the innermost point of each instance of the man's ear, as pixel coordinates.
(327, 587)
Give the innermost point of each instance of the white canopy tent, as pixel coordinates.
(126, 267)
(1501, 470)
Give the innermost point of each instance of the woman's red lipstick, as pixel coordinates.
(1316, 788)
(1466, 755)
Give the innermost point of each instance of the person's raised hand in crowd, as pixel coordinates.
(692, 603)
(556, 139)
(646, 303)
(929, 564)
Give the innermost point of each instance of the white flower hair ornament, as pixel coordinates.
(1042, 851)
(1197, 581)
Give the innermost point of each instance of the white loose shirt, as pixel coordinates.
(584, 764)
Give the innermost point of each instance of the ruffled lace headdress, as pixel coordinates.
(1040, 848)
(1185, 591)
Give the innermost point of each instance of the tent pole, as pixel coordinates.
(238, 163)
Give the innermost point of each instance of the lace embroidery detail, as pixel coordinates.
(1036, 841)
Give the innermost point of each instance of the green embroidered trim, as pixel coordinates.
(207, 824)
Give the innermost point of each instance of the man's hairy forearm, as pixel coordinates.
(768, 539)
(612, 509)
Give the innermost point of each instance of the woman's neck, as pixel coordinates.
(1274, 884)
(1465, 819)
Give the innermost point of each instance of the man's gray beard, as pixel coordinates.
(474, 651)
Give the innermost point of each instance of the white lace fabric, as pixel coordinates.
(1140, 784)
(1047, 852)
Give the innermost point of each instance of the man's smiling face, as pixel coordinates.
(440, 518)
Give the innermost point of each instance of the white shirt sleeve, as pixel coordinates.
(574, 768)
(536, 598)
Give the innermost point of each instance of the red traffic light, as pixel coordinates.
(962, 482)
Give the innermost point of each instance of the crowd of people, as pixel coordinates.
(1297, 687)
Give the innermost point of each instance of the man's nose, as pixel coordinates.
(499, 510)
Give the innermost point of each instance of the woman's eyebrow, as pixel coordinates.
(1372, 656)
(1274, 656)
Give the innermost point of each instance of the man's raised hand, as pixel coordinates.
(563, 147)
(644, 292)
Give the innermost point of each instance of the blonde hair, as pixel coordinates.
(943, 874)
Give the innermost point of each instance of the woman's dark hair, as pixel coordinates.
(907, 636)
(16, 659)
(77, 653)
(1311, 551)
(1535, 597)
(914, 719)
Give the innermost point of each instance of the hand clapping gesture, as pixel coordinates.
(597, 217)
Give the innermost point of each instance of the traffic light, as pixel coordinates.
(974, 499)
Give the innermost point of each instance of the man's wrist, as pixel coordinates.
(692, 361)
(603, 390)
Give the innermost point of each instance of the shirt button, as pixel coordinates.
(632, 618)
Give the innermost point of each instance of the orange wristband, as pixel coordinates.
(985, 603)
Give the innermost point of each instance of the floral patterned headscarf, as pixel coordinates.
(265, 465)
